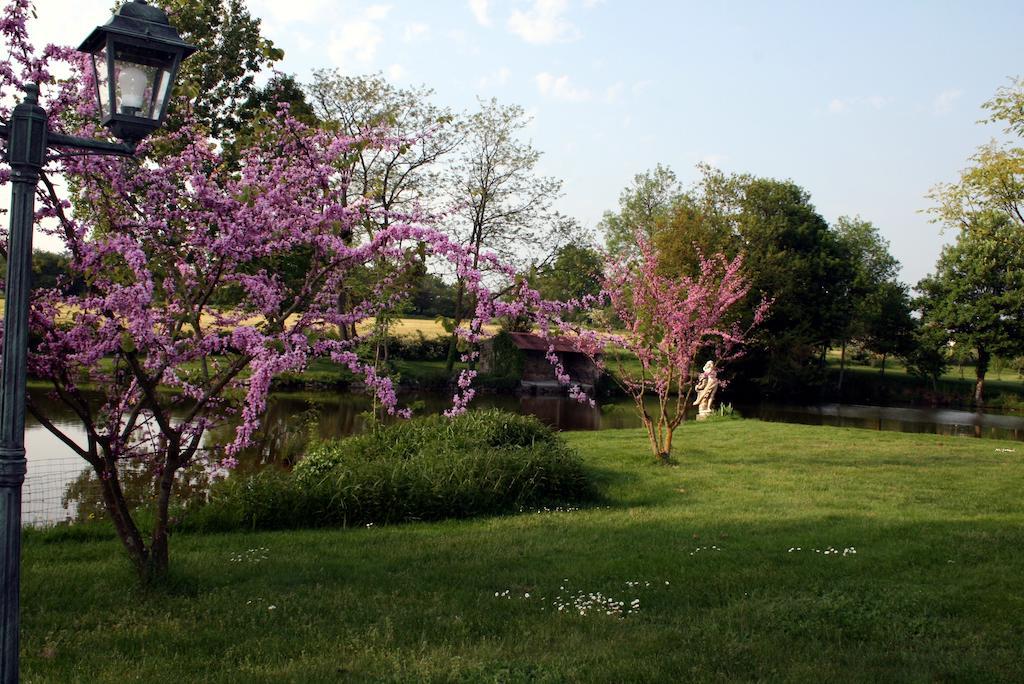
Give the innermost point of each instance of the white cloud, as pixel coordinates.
(289, 11)
(377, 12)
(498, 78)
(613, 93)
(559, 88)
(837, 105)
(876, 101)
(479, 10)
(396, 72)
(414, 32)
(715, 159)
(353, 44)
(841, 105)
(543, 23)
(943, 102)
(640, 87)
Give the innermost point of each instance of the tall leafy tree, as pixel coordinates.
(574, 273)
(889, 325)
(220, 78)
(790, 256)
(994, 179)
(976, 294)
(702, 220)
(394, 178)
(501, 204)
(871, 305)
(645, 206)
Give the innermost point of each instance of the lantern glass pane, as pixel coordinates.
(143, 81)
(161, 91)
(99, 66)
(134, 89)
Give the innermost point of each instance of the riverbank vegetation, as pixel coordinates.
(771, 552)
(430, 468)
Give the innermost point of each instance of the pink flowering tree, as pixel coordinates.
(666, 323)
(173, 310)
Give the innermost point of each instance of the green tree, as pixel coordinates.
(645, 206)
(871, 303)
(994, 180)
(976, 294)
(48, 268)
(791, 257)
(888, 321)
(398, 176)
(703, 220)
(432, 296)
(501, 203)
(221, 77)
(927, 356)
(574, 273)
(393, 179)
(794, 259)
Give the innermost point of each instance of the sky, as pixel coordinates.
(866, 105)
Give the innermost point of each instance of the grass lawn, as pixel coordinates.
(934, 592)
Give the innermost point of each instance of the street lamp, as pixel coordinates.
(136, 56)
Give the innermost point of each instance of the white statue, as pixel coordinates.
(707, 386)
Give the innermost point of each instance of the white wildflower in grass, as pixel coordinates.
(556, 509)
(830, 551)
(250, 556)
(586, 603)
(704, 548)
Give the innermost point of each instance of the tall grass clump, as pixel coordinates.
(431, 468)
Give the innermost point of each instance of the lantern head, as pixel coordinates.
(135, 58)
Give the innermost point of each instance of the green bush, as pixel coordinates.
(485, 462)
(419, 347)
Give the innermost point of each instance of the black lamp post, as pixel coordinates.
(136, 56)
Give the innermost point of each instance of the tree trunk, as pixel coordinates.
(158, 546)
(882, 371)
(842, 367)
(667, 453)
(117, 508)
(453, 344)
(343, 331)
(980, 370)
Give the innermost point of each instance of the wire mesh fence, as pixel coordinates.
(54, 489)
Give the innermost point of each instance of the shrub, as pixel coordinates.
(484, 462)
(419, 347)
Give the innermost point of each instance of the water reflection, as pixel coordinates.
(895, 419)
(60, 486)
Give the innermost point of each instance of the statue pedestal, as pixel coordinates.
(705, 414)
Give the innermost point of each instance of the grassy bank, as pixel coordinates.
(932, 593)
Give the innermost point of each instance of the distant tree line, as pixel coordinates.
(830, 286)
(835, 288)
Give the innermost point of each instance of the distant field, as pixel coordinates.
(409, 327)
(400, 327)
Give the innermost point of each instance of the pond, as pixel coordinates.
(61, 487)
